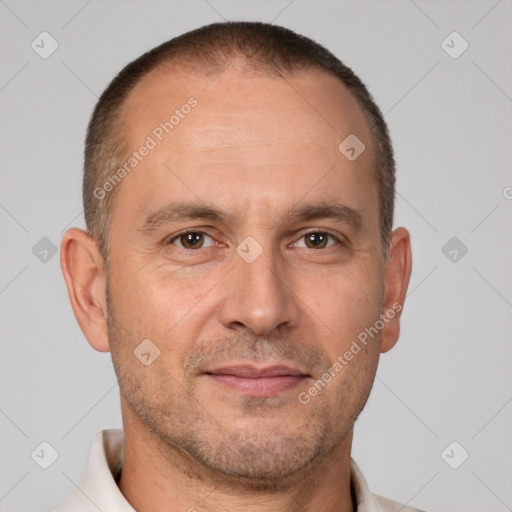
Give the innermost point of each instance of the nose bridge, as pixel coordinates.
(257, 295)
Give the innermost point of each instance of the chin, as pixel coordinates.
(260, 454)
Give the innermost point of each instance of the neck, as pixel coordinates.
(157, 477)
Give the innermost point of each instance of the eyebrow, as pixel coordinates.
(188, 211)
(181, 211)
(334, 211)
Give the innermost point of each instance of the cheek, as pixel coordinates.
(343, 305)
(164, 309)
(155, 300)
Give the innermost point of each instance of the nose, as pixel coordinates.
(259, 295)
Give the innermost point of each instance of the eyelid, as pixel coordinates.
(169, 240)
(340, 239)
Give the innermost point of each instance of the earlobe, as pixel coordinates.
(83, 269)
(397, 272)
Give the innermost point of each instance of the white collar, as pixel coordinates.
(98, 490)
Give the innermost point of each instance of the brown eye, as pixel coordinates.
(190, 240)
(316, 240)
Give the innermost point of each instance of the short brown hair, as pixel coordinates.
(265, 48)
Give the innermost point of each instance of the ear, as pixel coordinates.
(83, 269)
(397, 272)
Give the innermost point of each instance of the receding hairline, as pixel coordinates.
(175, 68)
(264, 50)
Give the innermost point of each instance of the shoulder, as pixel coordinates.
(367, 501)
(97, 489)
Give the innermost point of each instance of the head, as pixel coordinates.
(228, 226)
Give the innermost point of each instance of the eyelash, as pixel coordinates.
(311, 232)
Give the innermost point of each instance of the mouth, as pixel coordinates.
(254, 381)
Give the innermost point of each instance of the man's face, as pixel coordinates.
(243, 334)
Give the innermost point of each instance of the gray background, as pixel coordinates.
(449, 377)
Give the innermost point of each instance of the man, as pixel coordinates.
(241, 268)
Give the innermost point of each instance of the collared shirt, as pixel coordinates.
(98, 490)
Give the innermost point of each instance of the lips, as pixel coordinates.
(255, 373)
(254, 381)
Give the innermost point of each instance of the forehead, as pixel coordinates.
(249, 137)
(320, 102)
